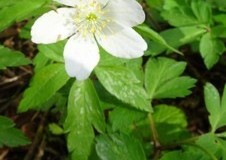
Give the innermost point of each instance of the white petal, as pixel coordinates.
(124, 44)
(104, 2)
(53, 26)
(73, 3)
(81, 55)
(111, 28)
(69, 2)
(125, 12)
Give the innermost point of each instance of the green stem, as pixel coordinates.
(154, 131)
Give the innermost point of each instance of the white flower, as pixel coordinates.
(109, 22)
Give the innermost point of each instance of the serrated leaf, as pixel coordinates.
(123, 119)
(124, 85)
(202, 11)
(170, 123)
(211, 49)
(211, 143)
(43, 86)
(83, 112)
(10, 136)
(212, 99)
(179, 13)
(119, 147)
(215, 106)
(162, 77)
(177, 87)
(5, 123)
(184, 155)
(219, 31)
(10, 58)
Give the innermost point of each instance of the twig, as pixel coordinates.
(37, 140)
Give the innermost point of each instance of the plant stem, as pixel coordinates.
(154, 131)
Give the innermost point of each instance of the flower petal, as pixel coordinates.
(53, 26)
(71, 3)
(81, 56)
(124, 44)
(126, 12)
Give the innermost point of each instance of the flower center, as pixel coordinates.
(90, 18)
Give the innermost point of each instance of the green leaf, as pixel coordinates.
(215, 107)
(43, 86)
(220, 18)
(202, 11)
(136, 66)
(9, 135)
(56, 129)
(211, 49)
(212, 99)
(222, 144)
(177, 37)
(25, 31)
(170, 123)
(10, 58)
(185, 155)
(83, 112)
(123, 84)
(177, 87)
(219, 31)
(179, 13)
(107, 59)
(40, 61)
(157, 4)
(17, 11)
(119, 147)
(53, 51)
(123, 119)
(211, 144)
(162, 79)
(148, 32)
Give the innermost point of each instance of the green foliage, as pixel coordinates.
(182, 13)
(123, 119)
(43, 86)
(53, 51)
(83, 112)
(129, 108)
(211, 49)
(215, 106)
(122, 83)
(163, 80)
(119, 147)
(171, 123)
(15, 11)
(177, 37)
(9, 135)
(10, 58)
(148, 32)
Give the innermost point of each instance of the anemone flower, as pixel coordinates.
(87, 24)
